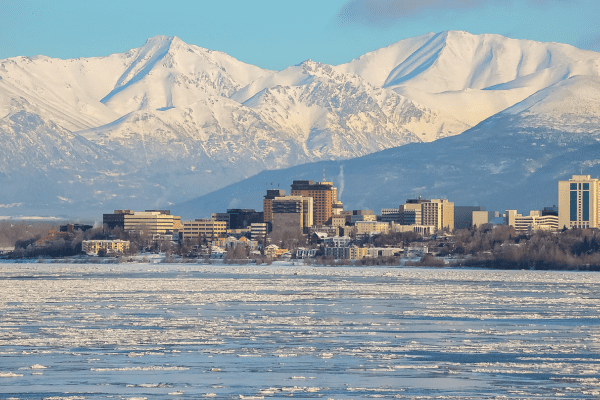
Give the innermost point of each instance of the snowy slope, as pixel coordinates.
(89, 92)
(472, 77)
(512, 160)
(168, 121)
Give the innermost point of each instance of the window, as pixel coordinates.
(573, 205)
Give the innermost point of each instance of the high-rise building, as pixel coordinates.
(578, 202)
(464, 216)
(410, 212)
(292, 215)
(438, 213)
(324, 196)
(268, 203)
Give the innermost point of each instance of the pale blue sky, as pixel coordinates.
(276, 34)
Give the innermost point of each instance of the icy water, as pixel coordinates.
(185, 331)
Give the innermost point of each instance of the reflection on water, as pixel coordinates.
(192, 331)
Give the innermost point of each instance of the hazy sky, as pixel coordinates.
(277, 34)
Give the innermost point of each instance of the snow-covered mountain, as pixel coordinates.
(168, 122)
(512, 160)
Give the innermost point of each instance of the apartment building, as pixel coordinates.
(110, 246)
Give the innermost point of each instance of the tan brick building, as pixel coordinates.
(204, 228)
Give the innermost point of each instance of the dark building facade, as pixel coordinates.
(243, 218)
(117, 219)
(74, 227)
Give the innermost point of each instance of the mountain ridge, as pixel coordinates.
(169, 121)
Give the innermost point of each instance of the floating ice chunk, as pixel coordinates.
(37, 366)
(150, 368)
(9, 375)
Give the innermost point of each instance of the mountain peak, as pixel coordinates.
(165, 40)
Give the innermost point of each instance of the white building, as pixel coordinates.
(337, 241)
(535, 221)
(110, 246)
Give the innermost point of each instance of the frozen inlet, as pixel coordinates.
(247, 332)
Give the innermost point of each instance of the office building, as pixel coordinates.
(117, 219)
(390, 215)
(479, 218)
(148, 223)
(268, 203)
(324, 196)
(578, 202)
(535, 221)
(204, 228)
(410, 212)
(438, 213)
(292, 215)
(258, 230)
(243, 218)
(367, 227)
(463, 216)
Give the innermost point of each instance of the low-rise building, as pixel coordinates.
(337, 241)
(533, 222)
(273, 251)
(149, 223)
(302, 253)
(110, 246)
(367, 227)
(258, 230)
(375, 252)
(204, 228)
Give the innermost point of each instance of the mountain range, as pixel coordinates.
(480, 119)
